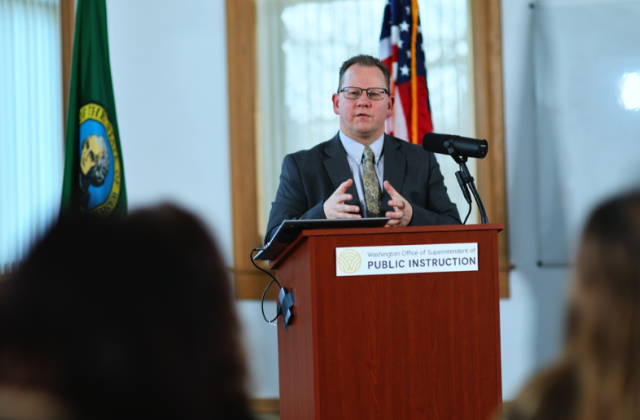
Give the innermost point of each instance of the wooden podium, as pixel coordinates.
(400, 346)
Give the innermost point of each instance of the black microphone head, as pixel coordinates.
(433, 142)
(462, 146)
(471, 147)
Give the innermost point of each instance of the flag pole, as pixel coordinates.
(414, 78)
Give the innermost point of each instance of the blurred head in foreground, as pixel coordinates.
(598, 374)
(130, 318)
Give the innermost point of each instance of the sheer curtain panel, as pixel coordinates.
(30, 124)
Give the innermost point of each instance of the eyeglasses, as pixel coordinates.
(375, 94)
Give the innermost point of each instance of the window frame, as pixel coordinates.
(67, 28)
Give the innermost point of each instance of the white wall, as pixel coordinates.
(169, 77)
(532, 318)
(168, 61)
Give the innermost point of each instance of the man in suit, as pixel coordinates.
(342, 178)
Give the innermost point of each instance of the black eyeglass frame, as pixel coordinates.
(363, 90)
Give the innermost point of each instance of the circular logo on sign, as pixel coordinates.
(100, 172)
(349, 261)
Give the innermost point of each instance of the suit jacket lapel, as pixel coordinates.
(338, 169)
(395, 164)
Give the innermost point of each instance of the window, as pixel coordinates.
(31, 154)
(301, 45)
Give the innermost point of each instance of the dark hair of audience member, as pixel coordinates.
(597, 376)
(130, 318)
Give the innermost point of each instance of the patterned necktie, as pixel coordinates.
(372, 193)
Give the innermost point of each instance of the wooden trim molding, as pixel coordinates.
(242, 68)
(67, 29)
(487, 64)
(241, 59)
(265, 405)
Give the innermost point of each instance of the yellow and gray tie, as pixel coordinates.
(372, 193)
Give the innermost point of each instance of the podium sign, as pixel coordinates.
(404, 259)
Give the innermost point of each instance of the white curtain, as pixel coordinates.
(30, 124)
(301, 46)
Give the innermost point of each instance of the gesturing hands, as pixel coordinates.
(335, 208)
(403, 212)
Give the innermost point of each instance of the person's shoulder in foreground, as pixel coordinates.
(596, 375)
(130, 319)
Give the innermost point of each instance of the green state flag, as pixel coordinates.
(93, 170)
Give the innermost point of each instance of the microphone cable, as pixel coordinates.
(465, 191)
(468, 213)
(273, 279)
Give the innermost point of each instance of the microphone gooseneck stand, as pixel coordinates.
(464, 178)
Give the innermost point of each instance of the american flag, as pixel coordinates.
(401, 50)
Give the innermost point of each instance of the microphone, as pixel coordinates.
(462, 146)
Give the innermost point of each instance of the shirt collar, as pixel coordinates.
(355, 149)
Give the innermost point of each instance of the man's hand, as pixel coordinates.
(334, 207)
(403, 212)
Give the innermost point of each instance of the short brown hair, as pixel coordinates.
(366, 61)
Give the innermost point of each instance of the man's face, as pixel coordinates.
(362, 119)
(91, 154)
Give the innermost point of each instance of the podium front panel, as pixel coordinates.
(410, 346)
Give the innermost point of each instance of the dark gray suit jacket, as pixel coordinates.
(309, 177)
